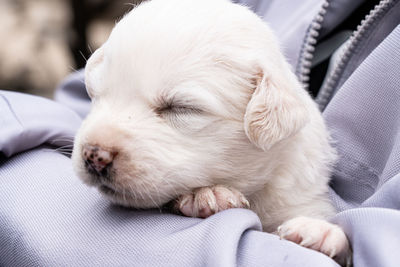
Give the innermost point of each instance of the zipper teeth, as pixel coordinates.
(333, 78)
(307, 51)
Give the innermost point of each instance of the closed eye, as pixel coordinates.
(182, 115)
(178, 110)
(179, 117)
(173, 108)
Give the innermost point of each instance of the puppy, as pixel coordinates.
(193, 101)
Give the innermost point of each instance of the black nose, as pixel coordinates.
(97, 159)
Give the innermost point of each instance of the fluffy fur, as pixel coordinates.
(192, 94)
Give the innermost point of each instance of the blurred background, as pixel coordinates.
(42, 41)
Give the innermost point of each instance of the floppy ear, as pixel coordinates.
(93, 71)
(275, 111)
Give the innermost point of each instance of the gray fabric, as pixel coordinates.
(333, 61)
(370, 148)
(328, 48)
(289, 19)
(376, 27)
(336, 12)
(71, 94)
(25, 122)
(364, 118)
(49, 218)
(381, 28)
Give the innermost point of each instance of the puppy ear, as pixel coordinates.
(276, 110)
(93, 71)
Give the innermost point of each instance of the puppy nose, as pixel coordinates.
(96, 157)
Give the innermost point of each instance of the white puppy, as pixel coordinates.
(193, 100)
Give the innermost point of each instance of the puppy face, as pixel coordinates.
(180, 100)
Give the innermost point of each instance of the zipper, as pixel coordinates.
(351, 45)
(307, 51)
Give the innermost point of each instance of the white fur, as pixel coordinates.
(250, 125)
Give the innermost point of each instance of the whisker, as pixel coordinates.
(123, 195)
(87, 162)
(90, 49)
(69, 141)
(140, 193)
(73, 69)
(156, 188)
(62, 140)
(61, 151)
(66, 146)
(149, 195)
(155, 203)
(132, 191)
(83, 55)
(173, 188)
(65, 153)
(76, 71)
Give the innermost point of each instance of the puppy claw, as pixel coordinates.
(285, 233)
(319, 235)
(185, 199)
(212, 205)
(332, 254)
(206, 201)
(306, 242)
(232, 202)
(185, 205)
(245, 203)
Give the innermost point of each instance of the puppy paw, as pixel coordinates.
(206, 201)
(319, 235)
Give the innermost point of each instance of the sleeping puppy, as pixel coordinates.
(193, 101)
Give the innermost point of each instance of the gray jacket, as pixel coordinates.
(49, 218)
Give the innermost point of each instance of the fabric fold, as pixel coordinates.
(28, 121)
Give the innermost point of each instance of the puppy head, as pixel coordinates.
(182, 98)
